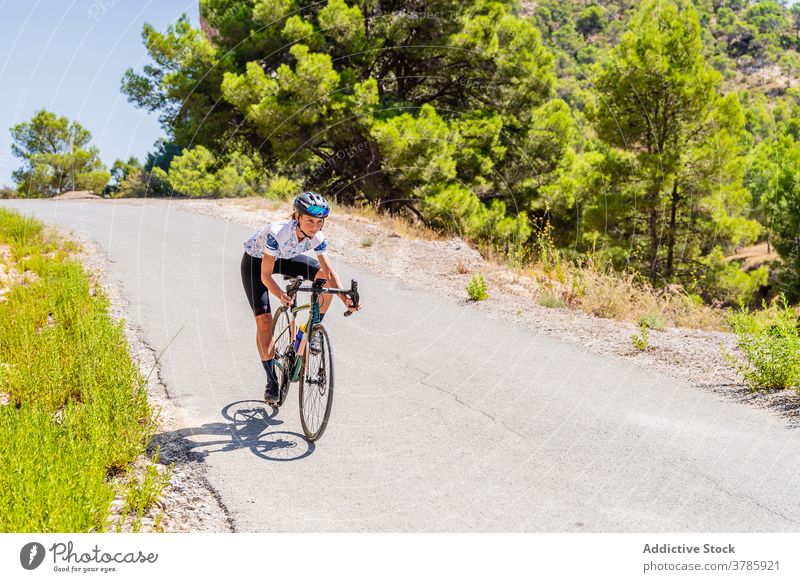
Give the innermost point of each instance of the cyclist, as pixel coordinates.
(278, 248)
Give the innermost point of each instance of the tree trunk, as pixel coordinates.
(652, 226)
(401, 78)
(672, 229)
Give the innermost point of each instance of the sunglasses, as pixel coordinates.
(318, 211)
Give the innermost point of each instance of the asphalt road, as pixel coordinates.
(445, 419)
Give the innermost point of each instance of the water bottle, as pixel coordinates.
(299, 337)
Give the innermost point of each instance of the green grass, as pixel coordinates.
(78, 407)
(551, 301)
(141, 493)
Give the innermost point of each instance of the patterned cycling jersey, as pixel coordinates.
(279, 239)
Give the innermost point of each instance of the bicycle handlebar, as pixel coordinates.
(353, 295)
(317, 287)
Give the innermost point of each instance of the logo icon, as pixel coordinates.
(32, 555)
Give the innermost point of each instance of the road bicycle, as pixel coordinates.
(315, 372)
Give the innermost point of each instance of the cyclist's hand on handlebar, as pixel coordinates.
(285, 299)
(350, 307)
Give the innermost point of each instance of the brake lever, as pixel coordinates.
(291, 290)
(292, 287)
(353, 295)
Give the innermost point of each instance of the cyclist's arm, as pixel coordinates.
(334, 281)
(267, 265)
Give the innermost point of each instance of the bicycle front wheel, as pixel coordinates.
(282, 336)
(316, 386)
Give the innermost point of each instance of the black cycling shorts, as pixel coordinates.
(257, 294)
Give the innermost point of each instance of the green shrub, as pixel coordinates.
(476, 290)
(197, 172)
(454, 209)
(641, 341)
(283, 188)
(190, 173)
(770, 343)
(141, 183)
(652, 321)
(725, 281)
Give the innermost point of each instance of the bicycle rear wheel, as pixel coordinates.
(284, 353)
(316, 386)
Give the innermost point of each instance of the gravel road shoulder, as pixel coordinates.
(188, 503)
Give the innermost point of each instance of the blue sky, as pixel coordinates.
(69, 56)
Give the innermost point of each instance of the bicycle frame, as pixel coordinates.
(316, 289)
(313, 319)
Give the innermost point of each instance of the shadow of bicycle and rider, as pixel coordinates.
(250, 424)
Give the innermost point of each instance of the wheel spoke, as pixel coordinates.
(316, 389)
(281, 337)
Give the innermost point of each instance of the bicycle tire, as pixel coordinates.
(281, 334)
(316, 398)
